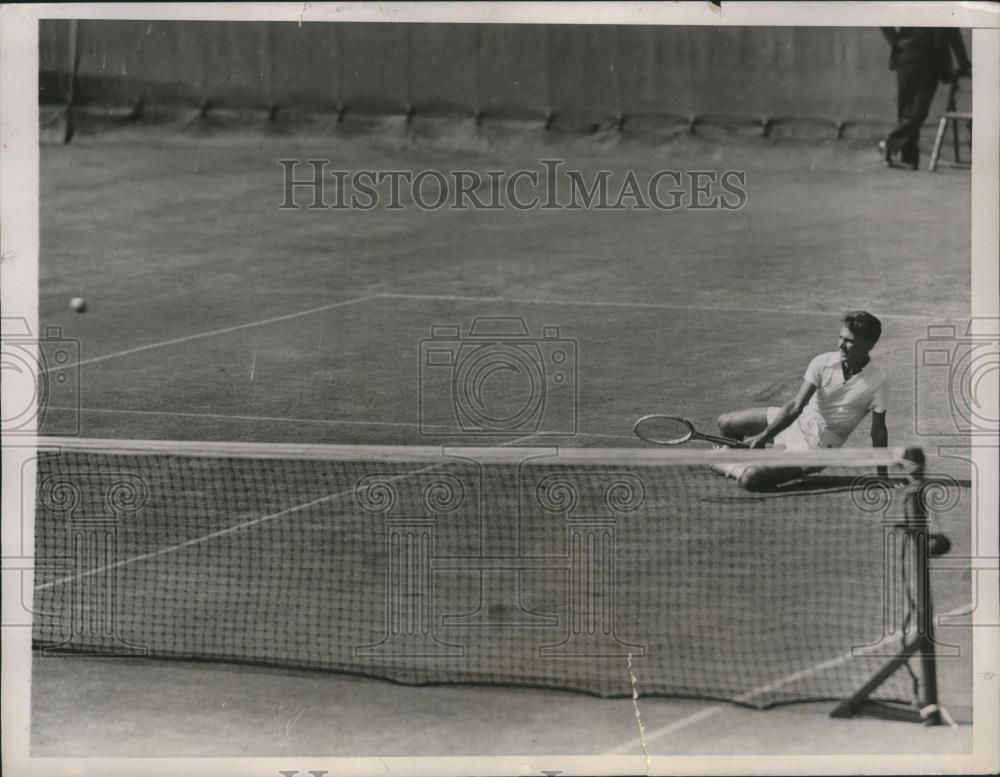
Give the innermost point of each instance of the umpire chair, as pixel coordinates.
(952, 117)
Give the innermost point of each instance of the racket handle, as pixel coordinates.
(723, 441)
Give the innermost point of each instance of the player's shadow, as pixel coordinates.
(833, 483)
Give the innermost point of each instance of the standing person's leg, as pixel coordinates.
(906, 87)
(916, 83)
(924, 88)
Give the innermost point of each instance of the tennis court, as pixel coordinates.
(281, 584)
(248, 297)
(216, 316)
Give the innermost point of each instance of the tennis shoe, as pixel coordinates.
(726, 470)
(885, 153)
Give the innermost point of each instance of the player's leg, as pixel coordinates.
(737, 426)
(743, 423)
(796, 437)
(756, 478)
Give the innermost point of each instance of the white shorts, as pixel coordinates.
(805, 433)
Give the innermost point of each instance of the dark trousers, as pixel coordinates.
(916, 84)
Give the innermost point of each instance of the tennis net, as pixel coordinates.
(598, 570)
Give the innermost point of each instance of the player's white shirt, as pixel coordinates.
(838, 406)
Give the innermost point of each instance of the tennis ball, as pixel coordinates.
(79, 304)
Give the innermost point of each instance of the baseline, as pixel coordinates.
(651, 305)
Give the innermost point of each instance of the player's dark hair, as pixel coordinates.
(864, 325)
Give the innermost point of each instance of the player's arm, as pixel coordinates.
(880, 437)
(878, 407)
(786, 416)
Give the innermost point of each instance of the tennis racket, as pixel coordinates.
(671, 430)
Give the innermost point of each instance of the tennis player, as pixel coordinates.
(838, 390)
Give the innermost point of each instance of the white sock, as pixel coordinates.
(728, 470)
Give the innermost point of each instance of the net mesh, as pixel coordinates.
(596, 573)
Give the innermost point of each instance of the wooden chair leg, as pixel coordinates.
(938, 139)
(954, 138)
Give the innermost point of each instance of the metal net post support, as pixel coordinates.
(908, 620)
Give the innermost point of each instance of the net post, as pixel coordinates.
(918, 528)
(921, 647)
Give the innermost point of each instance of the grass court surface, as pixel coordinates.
(216, 316)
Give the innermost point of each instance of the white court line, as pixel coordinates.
(328, 421)
(189, 543)
(460, 298)
(224, 330)
(636, 744)
(632, 745)
(652, 305)
(704, 714)
(236, 417)
(234, 528)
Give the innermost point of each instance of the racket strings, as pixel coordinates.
(664, 430)
(674, 430)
